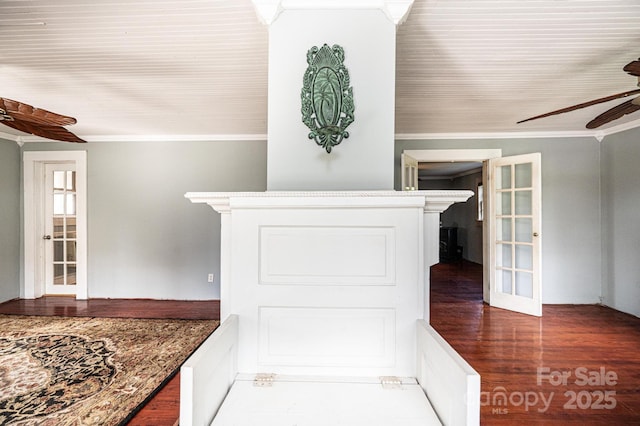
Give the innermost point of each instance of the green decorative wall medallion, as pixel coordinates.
(327, 98)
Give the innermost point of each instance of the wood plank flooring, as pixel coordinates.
(113, 308)
(588, 355)
(585, 343)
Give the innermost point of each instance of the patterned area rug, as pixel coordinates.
(88, 371)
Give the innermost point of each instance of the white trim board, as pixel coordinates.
(452, 155)
(598, 134)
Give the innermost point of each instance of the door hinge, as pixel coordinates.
(391, 382)
(264, 380)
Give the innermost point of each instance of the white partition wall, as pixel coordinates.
(324, 290)
(327, 283)
(325, 278)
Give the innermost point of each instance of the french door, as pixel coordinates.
(60, 231)
(515, 233)
(55, 223)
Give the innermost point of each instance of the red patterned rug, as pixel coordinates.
(88, 371)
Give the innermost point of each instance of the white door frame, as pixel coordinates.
(33, 223)
(454, 155)
(409, 167)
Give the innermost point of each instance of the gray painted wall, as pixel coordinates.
(9, 220)
(571, 245)
(621, 221)
(145, 240)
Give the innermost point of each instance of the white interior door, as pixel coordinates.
(36, 219)
(60, 230)
(409, 168)
(515, 229)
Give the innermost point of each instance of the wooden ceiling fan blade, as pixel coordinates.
(584, 105)
(633, 68)
(24, 112)
(613, 114)
(50, 132)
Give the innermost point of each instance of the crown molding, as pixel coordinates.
(599, 135)
(617, 129)
(159, 138)
(14, 138)
(494, 135)
(8, 136)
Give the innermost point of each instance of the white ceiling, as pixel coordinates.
(160, 69)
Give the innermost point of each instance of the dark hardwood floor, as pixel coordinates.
(595, 348)
(577, 364)
(113, 308)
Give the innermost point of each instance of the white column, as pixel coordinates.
(431, 254)
(225, 265)
(366, 30)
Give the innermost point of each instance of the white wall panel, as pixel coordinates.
(347, 337)
(319, 274)
(327, 283)
(327, 255)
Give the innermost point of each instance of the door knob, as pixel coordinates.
(46, 237)
(535, 234)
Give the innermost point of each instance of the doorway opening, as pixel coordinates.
(462, 231)
(506, 240)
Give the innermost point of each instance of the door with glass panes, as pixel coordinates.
(515, 233)
(60, 234)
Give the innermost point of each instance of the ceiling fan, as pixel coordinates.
(614, 113)
(36, 121)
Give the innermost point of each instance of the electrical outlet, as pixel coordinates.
(210, 278)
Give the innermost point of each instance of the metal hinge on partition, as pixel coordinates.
(264, 380)
(391, 382)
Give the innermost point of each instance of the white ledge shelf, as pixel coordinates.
(431, 201)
